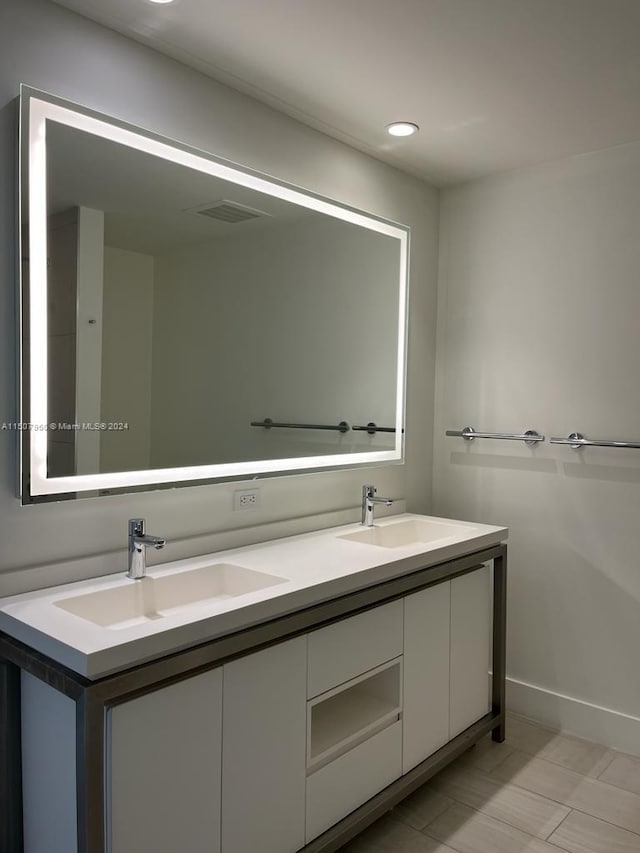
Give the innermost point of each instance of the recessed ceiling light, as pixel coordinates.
(402, 128)
(160, 2)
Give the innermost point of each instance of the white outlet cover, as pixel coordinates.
(246, 499)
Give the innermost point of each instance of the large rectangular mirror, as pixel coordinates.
(187, 319)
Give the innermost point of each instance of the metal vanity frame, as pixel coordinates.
(94, 698)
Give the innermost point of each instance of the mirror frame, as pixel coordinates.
(36, 108)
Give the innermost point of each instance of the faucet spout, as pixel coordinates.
(138, 543)
(157, 541)
(368, 503)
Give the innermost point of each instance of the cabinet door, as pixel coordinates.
(470, 638)
(352, 646)
(264, 750)
(163, 769)
(341, 786)
(425, 725)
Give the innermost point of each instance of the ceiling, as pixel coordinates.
(151, 204)
(493, 84)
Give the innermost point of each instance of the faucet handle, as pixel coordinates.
(136, 527)
(368, 491)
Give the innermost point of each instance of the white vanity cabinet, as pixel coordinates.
(470, 649)
(270, 739)
(425, 724)
(263, 753)
(354, 709)
(270, 750)
(203, 767)
(447, 635)
(163, 759)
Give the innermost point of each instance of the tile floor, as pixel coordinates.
(538, 792)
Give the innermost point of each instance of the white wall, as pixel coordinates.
(50, 48)
(295, 322)
(538, 327)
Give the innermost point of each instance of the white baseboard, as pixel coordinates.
(593, 722)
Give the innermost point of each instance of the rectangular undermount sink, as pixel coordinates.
(407, 533)
(151, 598)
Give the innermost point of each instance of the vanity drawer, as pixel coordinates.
(337, 789)
(348, 648)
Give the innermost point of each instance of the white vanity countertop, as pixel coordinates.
(315, 567)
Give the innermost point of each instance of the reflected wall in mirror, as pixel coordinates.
(173, 303)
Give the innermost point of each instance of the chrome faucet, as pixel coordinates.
(369, 501)
(138, 541)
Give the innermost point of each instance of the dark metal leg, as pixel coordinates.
(90, 772)
(499, 644)
(10, 760)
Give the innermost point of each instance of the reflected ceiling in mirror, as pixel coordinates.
(187, 319)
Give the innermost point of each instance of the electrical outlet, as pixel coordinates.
(246, 499)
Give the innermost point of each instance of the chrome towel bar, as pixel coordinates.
(343, 426)
(577, 441)
(267, 423)
(530, 437)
